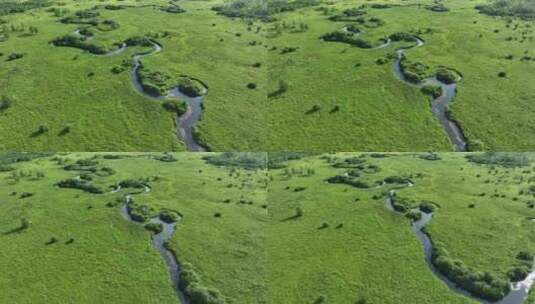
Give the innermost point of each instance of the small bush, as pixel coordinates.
(251, 86)
(190, 87)
(175, 106)
(154, 227)
(427, 207)
(5, 103)
(79, 184)
(434, 91)
(169, 216)
(502, 74)
(446, 76)
(518, 273)
(26, 195)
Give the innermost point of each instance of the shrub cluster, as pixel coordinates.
(480, 284)
(190, 87)
(5, 103)
(342, 179)
(346, 38)
(499, 158)
(169, 216)
(78, 42)
(79, 184)
(446, 76)
(244, 160)
(433, 90)
(175, 106)
(195, 291)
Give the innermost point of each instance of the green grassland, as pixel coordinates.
(61, 86)
(347, 247)
(380, 113)
(255, 235)
(111, 259)
(335, 93)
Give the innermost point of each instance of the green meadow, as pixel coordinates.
(272, 82)
(338, 243)
(78, 248)
(257, 228)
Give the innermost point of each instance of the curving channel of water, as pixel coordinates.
(439, 105)
(519, 290)
(158, 241)
(184, 122)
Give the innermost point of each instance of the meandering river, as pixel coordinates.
(439, 105)
(184, 123)
(158, 241)
(519, 290)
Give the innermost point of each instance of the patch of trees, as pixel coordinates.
(79, 184)
(446, 76)
(132, 183)
(108, 25)
(396, 180)
(413, 72)
(348, 38)
(85, 14)
(244, 160)
(401, 204)
(138, 212)
(114, 7)
(138, 41)
(499, 159)
(190, 284)
(190, 87)
(154, 227)
(402, 36)
(277, 160)
(480, 284)
(349, 14)
(155, 83)
(78, 42)
(427, 207)
(175, 106)
(77, 20)
(524, 9)
(261, 9)
(13, 7)
(351, 181)
(169, 216)
(434, 90)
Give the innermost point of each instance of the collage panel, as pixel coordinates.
(267, 228)
(132, 228)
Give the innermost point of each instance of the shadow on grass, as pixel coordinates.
(14, 230)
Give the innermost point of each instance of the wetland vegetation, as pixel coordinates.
(271, 75)
(214, 228)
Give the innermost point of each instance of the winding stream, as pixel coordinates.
(519, 290)
(184, 122)
(158, 241)
(439, 105)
